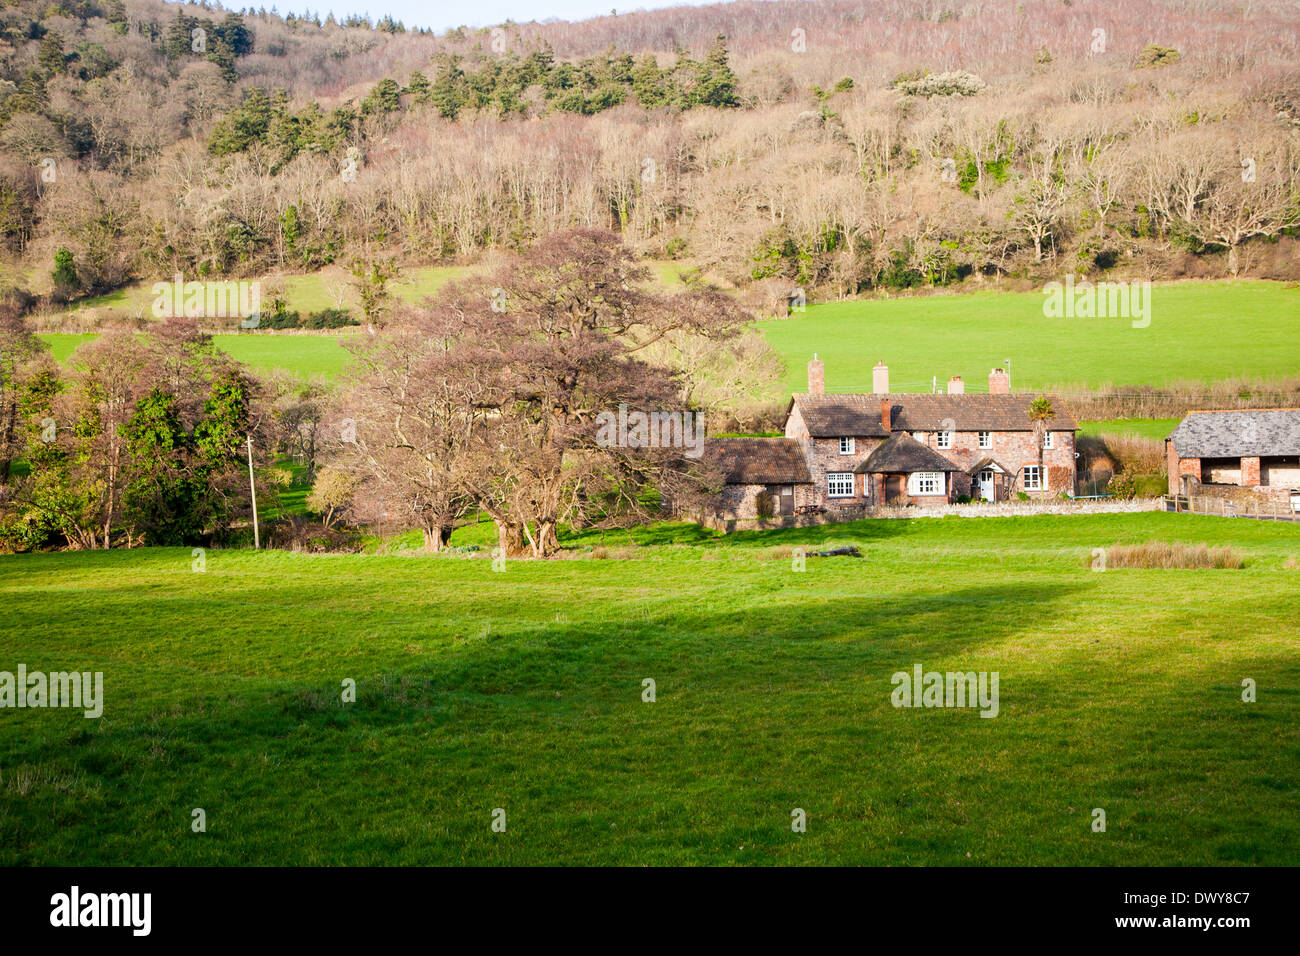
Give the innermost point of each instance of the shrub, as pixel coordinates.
(295, 534)
(1122, 485)
(65, 278)
(330, 319)
(279, 318)
(1156, 55)
(764, 506)
(1166, 555)
(282, 318)
(954, 83)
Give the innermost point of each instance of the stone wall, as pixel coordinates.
(740, 501)
(1002, 509)
(1243, 497)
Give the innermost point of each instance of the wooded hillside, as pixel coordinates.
(838, 146)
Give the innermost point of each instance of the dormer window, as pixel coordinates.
(846, 446)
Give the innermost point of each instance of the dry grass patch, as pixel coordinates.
(1169, 555)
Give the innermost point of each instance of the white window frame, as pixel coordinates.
(986, 439)
(916, 478)
(837, 478)
(846, 446)
(1038, 483)
(1048, 442)
(943, 440)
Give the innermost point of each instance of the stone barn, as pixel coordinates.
(1255, 449)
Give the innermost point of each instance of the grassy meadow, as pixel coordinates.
(1156, 429)
(1199, 331)
(918, 337)
(522, 690)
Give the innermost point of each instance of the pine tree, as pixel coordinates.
(717, 85)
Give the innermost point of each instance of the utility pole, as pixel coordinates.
(257, 541)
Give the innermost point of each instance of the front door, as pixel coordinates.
(893, 489)
(785, 500)
(987, 491)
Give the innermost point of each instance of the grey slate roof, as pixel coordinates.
(1246, 433)
(758, 461)
(903, 454)
(858, 415)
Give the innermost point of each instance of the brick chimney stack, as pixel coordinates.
(956, 386)
(816, 376)
(880, 378)
(886, 413)
(999, 382)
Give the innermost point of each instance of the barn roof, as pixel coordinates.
(758, 461)
(1235, 434)
(903, 454)
(858, 415)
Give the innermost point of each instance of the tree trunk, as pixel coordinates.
(548, 540)
(510, 538)
(437, 538)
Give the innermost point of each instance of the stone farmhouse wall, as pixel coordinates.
(743, 499)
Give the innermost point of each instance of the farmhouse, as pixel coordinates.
(1255, 449)
(844, 453)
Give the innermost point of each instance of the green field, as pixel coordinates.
(522, 690)
(1199, 331)
(1157, 429)
(1202, 331)
(304, 355)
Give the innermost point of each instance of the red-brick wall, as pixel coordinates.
(1250, 472)
(823, 457)
(1015, 450)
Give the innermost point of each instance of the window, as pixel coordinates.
(1047, 440)
(925, 483)
(846, 446)
(1033, 478)
(945, 440)
(839, 484)
(986, 439)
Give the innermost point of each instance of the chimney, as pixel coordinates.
(999, 382)
(956, 386)
(880, 379)
(816, 376)
(886, 412)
